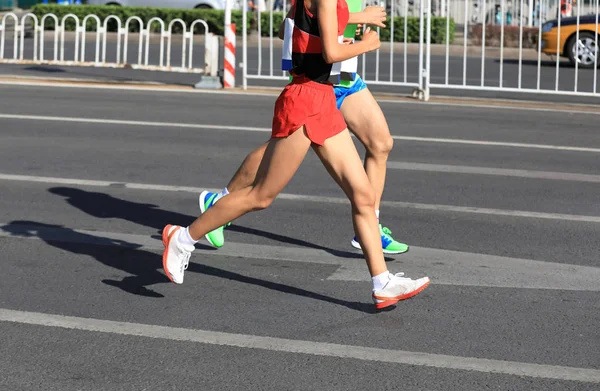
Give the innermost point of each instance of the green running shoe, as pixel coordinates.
(389, 244)
(216, 237)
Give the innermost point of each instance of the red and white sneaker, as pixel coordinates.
(176, 257)
(398, 288)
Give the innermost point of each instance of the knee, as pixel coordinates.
(260, 201)
(380, 146)
(364, 198)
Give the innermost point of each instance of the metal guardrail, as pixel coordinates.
(391, 75)
(519, 50)
(211, 43)
(370, 68)
(560, 50)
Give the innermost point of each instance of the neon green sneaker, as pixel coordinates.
(216, 237)
(389, 244)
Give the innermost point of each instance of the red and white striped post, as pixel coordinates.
(229, 58)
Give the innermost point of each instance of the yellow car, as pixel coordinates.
(567, 39)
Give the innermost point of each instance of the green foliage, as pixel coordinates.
(438, 28)
(411, 24)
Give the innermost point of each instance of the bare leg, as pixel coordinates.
(246, 173)
(281, 160)
(366, 120)
(343, 163)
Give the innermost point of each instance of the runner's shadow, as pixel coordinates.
(296, 242)
(143, 265)
(105, 206)
(146, 266)
(213, 271)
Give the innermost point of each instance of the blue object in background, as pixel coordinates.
(64, 2)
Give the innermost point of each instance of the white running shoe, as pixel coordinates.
(398, 288)
(175, 257)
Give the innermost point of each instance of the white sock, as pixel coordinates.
(221, 194)
(377, 214)
(185, 239)
(380, 280)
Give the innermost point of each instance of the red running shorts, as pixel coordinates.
(306, 103)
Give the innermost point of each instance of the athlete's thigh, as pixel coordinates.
(364, 117)
(281, 160)
(341, 159)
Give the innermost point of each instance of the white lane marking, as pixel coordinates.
(560, 176)
(292, 346)
(131, 123)
(95, 85)
(308, 198)
(474, 104)
(259, 129)
(444, 267)
(471, 103)
(496, 144)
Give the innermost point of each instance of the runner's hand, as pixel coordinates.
(375, 16)
(371, 39)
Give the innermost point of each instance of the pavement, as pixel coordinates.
(497, 201)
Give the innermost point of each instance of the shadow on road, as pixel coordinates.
(144, 266)
(104, 206)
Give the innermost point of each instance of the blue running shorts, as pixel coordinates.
(341, 92)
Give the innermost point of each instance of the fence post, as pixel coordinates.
(245, 45)
(210, 79)
(229, 57)
(419, 92)
(427, 52)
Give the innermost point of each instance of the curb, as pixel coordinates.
(274, 91)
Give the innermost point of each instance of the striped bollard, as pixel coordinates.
(229, 60)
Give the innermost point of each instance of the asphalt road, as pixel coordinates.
(500, 208)
(510, 73)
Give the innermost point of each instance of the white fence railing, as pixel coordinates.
(528, 52)
(555, 57)
(119, 56)
(384, 67)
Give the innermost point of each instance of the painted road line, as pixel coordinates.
(471, 170)
(306, 198)
(442, 266)
(446, 267)
(267, 130)
(322, 349)
(273, 92)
